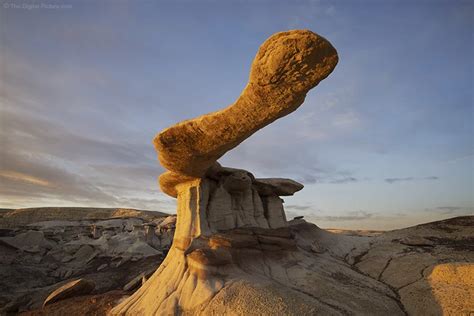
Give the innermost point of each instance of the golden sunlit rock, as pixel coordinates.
(286, 67)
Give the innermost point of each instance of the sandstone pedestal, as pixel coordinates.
(235, 254)
(224, 220)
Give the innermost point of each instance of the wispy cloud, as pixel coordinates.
(299, 207)
(331, 116)
(393, 180)
(35, 180)
(349, 216)
(46, 162)
(313, 214)
(27, 133)
(344, 180)
(21, 177)
(459, 159)
(30, 177)
(407, 179)
(329, 175)
(452, 210)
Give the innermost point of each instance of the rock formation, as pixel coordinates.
(235, 253)
(227, 217)
(71, 289)
(42, 249)
(425, 269)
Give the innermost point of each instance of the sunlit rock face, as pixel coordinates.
(229, 221)
(286, 67)
(227, 199)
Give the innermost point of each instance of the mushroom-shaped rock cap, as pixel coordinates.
(286, 67)
(277, 186)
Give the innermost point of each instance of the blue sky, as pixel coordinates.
(385, 142)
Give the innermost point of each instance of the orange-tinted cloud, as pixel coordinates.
(21, 177)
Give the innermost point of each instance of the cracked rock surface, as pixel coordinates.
(429, 266)
(250, 271)
(297, 269)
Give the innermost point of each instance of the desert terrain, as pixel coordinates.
(44, 248)
(420, 270)
(231, 249)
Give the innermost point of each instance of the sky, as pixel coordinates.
(385, 142)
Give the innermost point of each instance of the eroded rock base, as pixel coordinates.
(255, 271)
(234, 252)
(228, 257)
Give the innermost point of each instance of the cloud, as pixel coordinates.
(449, 209)
(313, 214)
(393, 180)
(344, 180)
(406, 179)
(264, 155)
(23, 132)
(350, 216)
(18, 176)
(60, 145)
(347, 120)
(127, 170)
(329, 176)
(27, 177)
(34, 181)
(459, 159)
(452, 210)
(48, 163)
(307, 179)
(298, 207)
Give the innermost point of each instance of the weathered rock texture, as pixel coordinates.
(430, 266)
(424, 270)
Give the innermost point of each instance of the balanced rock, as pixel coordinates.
(231, 226)
(286, 67)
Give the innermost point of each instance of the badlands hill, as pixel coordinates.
(42, 249)
(427, 269)
(26, 216)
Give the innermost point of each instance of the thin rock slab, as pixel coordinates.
(74, 288)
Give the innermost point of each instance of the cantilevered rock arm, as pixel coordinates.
(286, 67)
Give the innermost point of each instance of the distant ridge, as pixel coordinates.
(26, 216)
